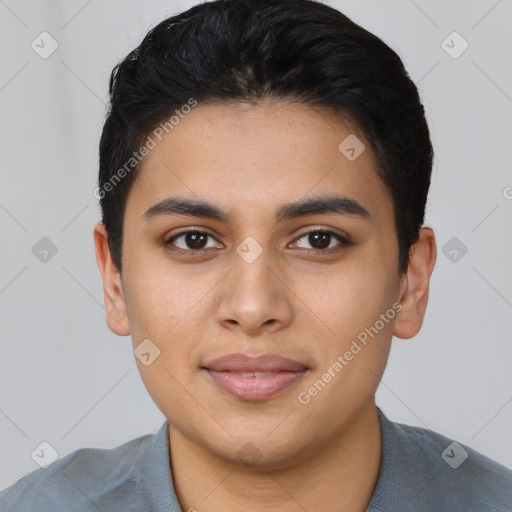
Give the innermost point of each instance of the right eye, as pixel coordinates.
(191, 240)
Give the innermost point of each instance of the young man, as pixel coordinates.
(264, 169)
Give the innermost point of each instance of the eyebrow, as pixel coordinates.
(310, 206)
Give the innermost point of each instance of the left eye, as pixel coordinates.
(323, 239)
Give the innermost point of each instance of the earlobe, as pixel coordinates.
(113, 295)
(414, 286)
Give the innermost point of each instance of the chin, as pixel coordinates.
(257, 451)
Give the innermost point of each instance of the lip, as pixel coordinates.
(261, 363)
(275, 374)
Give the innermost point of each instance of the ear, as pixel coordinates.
(117, 318)
(414, 285)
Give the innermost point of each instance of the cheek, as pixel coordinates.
(349, 298)
(156, 301)
(351, 305)
(165, 309)
(169, 306)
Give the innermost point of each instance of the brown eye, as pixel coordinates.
(323, 240)
(191, 241)
(319, 239)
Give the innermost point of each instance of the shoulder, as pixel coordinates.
(82, 481)
(429, 471)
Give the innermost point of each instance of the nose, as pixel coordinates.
(254, 298)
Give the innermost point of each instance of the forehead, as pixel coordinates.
(244, 158)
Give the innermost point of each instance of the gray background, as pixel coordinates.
(66, 379)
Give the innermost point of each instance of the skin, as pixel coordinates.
(301, 304)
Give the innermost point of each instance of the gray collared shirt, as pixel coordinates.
(420, 471)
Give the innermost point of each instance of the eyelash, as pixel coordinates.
(343, 241)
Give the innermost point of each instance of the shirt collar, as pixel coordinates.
(157, 474)
(159, 482)
(401, 461)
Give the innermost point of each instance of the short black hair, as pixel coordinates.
(246, 51)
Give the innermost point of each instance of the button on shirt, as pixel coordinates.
(420, 471)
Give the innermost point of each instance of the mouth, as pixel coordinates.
(254, 378)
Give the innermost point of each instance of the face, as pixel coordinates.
(261, 271)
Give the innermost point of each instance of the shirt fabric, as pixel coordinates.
(420, 471)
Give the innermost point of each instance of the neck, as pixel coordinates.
(339, 476)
